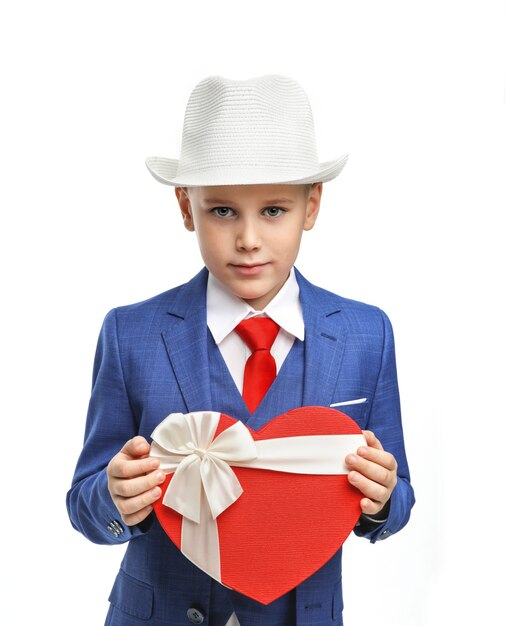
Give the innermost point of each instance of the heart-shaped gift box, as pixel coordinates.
(259, 511)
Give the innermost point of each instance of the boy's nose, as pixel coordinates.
(248, 236)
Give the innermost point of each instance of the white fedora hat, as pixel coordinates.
(245, 132)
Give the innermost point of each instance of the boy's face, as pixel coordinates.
(249, 235)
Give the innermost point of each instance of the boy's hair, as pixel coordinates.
(307, 189)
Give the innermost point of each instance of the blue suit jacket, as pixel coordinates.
(152, 360)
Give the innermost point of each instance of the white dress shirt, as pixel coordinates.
(225, 311)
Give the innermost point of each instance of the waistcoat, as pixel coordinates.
(284, 394)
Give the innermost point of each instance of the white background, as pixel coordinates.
(415, 92)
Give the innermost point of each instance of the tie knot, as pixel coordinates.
(258, 333)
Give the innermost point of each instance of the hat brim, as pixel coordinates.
(166, 171)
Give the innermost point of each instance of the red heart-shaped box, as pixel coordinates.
(285, 526)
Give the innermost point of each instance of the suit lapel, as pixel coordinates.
(325, 340)
(185, 339)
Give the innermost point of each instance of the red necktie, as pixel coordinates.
(258, 333)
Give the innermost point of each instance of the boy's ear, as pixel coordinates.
(313, 205)
(185, 207)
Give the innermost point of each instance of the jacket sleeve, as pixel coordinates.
(110, 424)
(385, 422)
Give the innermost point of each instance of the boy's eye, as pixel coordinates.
(222, 211)
(273, 211)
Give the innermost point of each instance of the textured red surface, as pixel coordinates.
(285, 526)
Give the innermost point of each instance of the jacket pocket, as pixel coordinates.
(357, 412)
(132, 596)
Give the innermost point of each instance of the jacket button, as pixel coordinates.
(115, 528)
(195, 616)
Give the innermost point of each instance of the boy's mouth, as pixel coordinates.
(248, 269)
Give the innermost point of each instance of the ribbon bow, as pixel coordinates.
(199, 462)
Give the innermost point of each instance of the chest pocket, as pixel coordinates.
(358, 412)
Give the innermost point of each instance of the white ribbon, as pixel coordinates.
(204, 485)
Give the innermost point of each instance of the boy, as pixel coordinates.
(248, 183)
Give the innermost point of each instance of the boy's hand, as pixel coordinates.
(374, 473)
(133, 479)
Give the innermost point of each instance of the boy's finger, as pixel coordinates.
(369, 488)
(122, 466)
(376, 472)
(372, 440)
(380, 457)
(369, 507)
(130, 506)
(136, 486)
(138, 517)
(136, 447)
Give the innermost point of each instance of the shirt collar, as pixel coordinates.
(225, 311)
